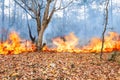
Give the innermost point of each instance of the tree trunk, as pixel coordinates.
(9, 14)
(105, 27)
(38, 24)
(40, 37)
(2, 35)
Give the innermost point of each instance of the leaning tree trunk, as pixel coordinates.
(105, 27)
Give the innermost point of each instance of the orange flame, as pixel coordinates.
(66, 44)
(15, 45)
(69, 44)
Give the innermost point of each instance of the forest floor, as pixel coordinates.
(58, 66)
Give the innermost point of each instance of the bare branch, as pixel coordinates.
(30, 8)
(24, 9)
(42, 5)
(52, 12)
(46, 12)
(36, 2)
(60, 4)
(61, 8)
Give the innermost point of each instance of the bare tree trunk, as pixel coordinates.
(111, 15)
(13, 15)
(2, 35)
(3, 2)
(85, 20)
(42, 23)
(41, 27)
(38, 24)
(9, 13)
(40, 37)
(105, 27)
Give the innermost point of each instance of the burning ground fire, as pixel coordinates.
(69, 44)
(15, 45)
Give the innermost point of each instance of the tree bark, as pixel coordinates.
(38, 24)
(41, 27)
(40, 37)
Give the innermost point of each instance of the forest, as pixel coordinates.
(59, 40)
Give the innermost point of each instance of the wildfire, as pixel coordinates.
(15, 45)
(69, 44)
(66, 44)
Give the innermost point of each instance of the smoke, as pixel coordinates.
(85, 25)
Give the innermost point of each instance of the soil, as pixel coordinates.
(58, 66)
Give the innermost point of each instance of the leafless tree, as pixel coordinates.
(34, 9)
(105, 26)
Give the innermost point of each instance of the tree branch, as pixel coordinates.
(52, 12)
(24, 9)
(61, 8)
(46, 12)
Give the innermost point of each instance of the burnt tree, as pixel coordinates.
(34, 7)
